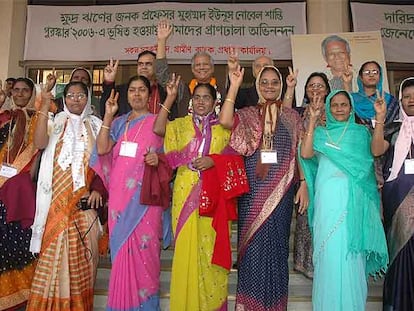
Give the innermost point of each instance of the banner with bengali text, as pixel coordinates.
(95, 33)
(396, 24)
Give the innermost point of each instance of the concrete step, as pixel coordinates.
(293, 304)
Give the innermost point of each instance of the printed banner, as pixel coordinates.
(94, 33)
(396, 23)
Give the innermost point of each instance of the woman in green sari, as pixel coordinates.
(348, 237)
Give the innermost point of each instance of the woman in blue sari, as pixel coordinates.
(398, 202)
(348, 238)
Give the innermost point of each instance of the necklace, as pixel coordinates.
(331, 143)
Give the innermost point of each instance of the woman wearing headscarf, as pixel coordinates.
(344, 213)
(267, 135)
(17, 195)
(398, 200)
(66, 228)
(16, 130)
(370, 83)
(370, 86)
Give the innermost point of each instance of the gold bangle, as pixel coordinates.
(289, 96)
(43, 114)
(105, 127)
(165, 108)
(378, 122)
(308, 133)
(231, 101)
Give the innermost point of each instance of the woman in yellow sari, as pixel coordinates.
(196, 283)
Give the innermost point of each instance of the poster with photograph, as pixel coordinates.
(335, 55)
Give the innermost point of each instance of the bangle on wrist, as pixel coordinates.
(288, 96)
(43, 114)
(105, 127)
(302, 180)
(379, 122)
(165, 108)
(231, 101)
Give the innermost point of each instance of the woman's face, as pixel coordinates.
(21, 93)
(316, 87)
(407, 100)
(269, 85)
(138, 96)
(340, 107)
(203, 102)
(76, 99)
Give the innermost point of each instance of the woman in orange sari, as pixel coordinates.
(65, 231)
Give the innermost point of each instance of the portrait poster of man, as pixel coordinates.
(336, 55)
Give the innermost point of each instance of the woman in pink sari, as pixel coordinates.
(125, 146)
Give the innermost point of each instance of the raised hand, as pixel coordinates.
(164, 30)
(292, 78)
(380, 107)
(111, 70)
(46, 96)
(172, 85)
(315, 107)
(347, 76)
(111, 105)
(233, 61)
(236, 77)
(50, 81)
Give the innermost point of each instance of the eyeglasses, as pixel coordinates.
(78, 96)
(369, 72)
(266, 83)
(317, 86)
(204, 98)
(24, 90)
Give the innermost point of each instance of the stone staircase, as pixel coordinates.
(300, 288)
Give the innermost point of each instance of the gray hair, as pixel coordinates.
(334, 38)
(202, 53)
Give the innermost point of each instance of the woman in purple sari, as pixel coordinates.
(125, 146)
(268, 135)
(398, 200)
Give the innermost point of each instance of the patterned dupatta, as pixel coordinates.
(198, 146)
(57, 128)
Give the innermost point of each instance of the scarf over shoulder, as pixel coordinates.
(353, 157)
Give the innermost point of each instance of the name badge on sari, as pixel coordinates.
(268, 156)
(409, 166)
(128, 149)
(7, 170)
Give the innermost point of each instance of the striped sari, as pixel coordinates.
(65, 273)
